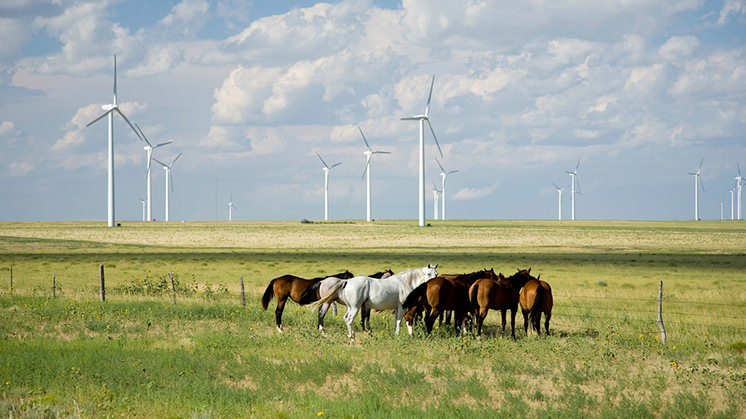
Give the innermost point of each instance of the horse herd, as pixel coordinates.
(415, 293)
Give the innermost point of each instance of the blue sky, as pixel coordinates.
(250, 91)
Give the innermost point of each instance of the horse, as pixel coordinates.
(445, 292)
(536, 298)
(292, 286)
(322, 288)
(502, 295)
(381, 294)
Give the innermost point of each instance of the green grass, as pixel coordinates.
(139, 355)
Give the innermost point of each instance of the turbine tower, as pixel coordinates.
(109, 110)
(443, 175)
(143, 208)
(697, 179)
(368, 155)
(731, 203)
(231, 208)
(326, 170)
(149, 149)
(169, 179)
(559, 201)
(422, 119)
(573, 182)
(436, 192)
(739, 186)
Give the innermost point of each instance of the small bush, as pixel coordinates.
(602, 283)
(154, 285)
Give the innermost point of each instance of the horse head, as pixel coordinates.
(346, 275)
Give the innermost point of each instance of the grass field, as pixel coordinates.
(140, 355)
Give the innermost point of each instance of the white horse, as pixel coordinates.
(325, 285)
(381, 294)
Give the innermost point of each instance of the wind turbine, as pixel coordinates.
(697, 178)
(231, 208)
(149, 149)
(169, 180)
(109, 110)
(368, 155)
(422, 119)
(326, 169)
(143, 208)
(443, 175)
(731, 203)
(573, 182)
(436, 192)
(739, 186)
(559, 201)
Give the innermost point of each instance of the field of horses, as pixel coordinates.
(140, 354)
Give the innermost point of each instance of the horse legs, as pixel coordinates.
(525, 321)
(399, 315)
(322, 312)
(278, 313)
(480, 320)
(448, 316)
(334, 308)
(430, 319)
(349, 319)
(513, 312)
(503, 312)
(547, 315)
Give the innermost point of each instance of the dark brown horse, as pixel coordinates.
(503, 295)
(536, 298)
(292, 286)
(445, 292)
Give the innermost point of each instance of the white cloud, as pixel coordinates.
(17, 169)
(7, 127)
(474, 193)
(678, 47)
(731, 7)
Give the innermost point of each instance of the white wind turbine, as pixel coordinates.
(443, 175)
(422, 119)
(143, 208)
(731, 203)
(573, 182)
(368, 155)
(326, 169)
(697, 179)
(739, 186)
(109, 110)
(149, 149)
(436, 192)
(559, 201)
(231, 208)
(169, 179)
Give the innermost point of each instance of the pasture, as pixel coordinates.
(140, 355)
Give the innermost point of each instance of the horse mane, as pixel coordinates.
(471, 277)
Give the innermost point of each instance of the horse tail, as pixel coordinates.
(331, 295)
(473, 297)
(309, 294)
(537, 306)
(414, 296)
(268, 293)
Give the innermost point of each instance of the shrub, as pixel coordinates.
(154, 285)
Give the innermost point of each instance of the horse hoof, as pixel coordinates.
(279, 330)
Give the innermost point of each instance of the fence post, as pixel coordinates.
(11, 279)
(103, 282)
(243, 296)
(54, 285)
(173, 287)
(660, 312)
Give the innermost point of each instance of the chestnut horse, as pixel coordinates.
(536, 298)
(322, 287)
(292, 286)
(445, 292)
(503, 295)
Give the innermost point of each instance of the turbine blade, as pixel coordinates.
(366, 141)
(577, 165)
(115, 79)
(128, 122)
(739, 169)
(322, 161)
(434, 137)
(96, 120)
(177, 158)
(440, 165)
(171, 180)
(577, 183)
(335, 165)
(410, 118)
(558, 188)
(429, 96)
(702, 184)
(381, 152)
(452, 171)
(162, 144)
(700, 163)
(367, 166)
(142, 135)
(160, 162)
(149, 160)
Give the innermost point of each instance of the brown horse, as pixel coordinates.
(502, 295)
(536, 298)
(292, 286)
(445, 292)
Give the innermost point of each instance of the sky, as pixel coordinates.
(638, 91)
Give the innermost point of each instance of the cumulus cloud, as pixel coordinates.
(678, 47)
(187, 17)
(17, 169)
(6, 127)
(474, 193)
(731, 7)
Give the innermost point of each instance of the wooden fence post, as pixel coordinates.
(54, 285)
(660, 312)
(173, 287)
(11, 280)
(103, 282)
(243, 296)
